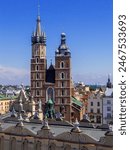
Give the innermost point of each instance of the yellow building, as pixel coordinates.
(5, 104)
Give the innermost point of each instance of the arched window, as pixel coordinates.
(62, 64)
(38, 92)
(37, 67)
(37, 60)
(50, 93)
(37, 76)
(62, 84)
(62, 92)
(62, 75)
(37, 84)
(62, 100)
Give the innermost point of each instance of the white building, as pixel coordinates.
(94, 108)
(108, 106)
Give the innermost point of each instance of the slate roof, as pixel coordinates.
(50, 74)
(57, 129)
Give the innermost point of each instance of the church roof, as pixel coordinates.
(77, 102)
(50, 74)
(33, 128)
(51, 67)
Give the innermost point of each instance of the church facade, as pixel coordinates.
(53, 86)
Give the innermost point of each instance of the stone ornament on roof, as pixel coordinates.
(45, 124)
(20, 119)
(13, 113)
(76, 127)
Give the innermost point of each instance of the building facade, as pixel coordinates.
(108, 103)
(53, 85)
(108, 106)
(94, 108)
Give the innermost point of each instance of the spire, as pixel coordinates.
(38, 36)
(38, 27)
(109, 84)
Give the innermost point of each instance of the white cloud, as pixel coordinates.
(11, 75)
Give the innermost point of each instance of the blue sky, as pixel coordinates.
(88, 27)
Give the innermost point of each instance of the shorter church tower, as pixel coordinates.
(63, 79)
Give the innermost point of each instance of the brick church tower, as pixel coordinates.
(53, 85)
(38, 63)
(63, 83)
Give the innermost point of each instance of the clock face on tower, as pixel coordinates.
(42, 51)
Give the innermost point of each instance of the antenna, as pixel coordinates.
(38, 7)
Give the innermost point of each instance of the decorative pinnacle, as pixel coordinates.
(76, 127)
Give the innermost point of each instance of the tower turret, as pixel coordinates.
(63, 48)
(38, 36)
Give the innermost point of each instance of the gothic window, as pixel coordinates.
(37, 60)
(62, 75)
(62, 84)
(62, 64)
(50, 93)
(63, 92)
(37, 67)
(37, 84)
(38, 92)
(38, 76)
(62, 100)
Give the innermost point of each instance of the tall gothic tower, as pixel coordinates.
(63, 78)
(38, 63)
(53, 85)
